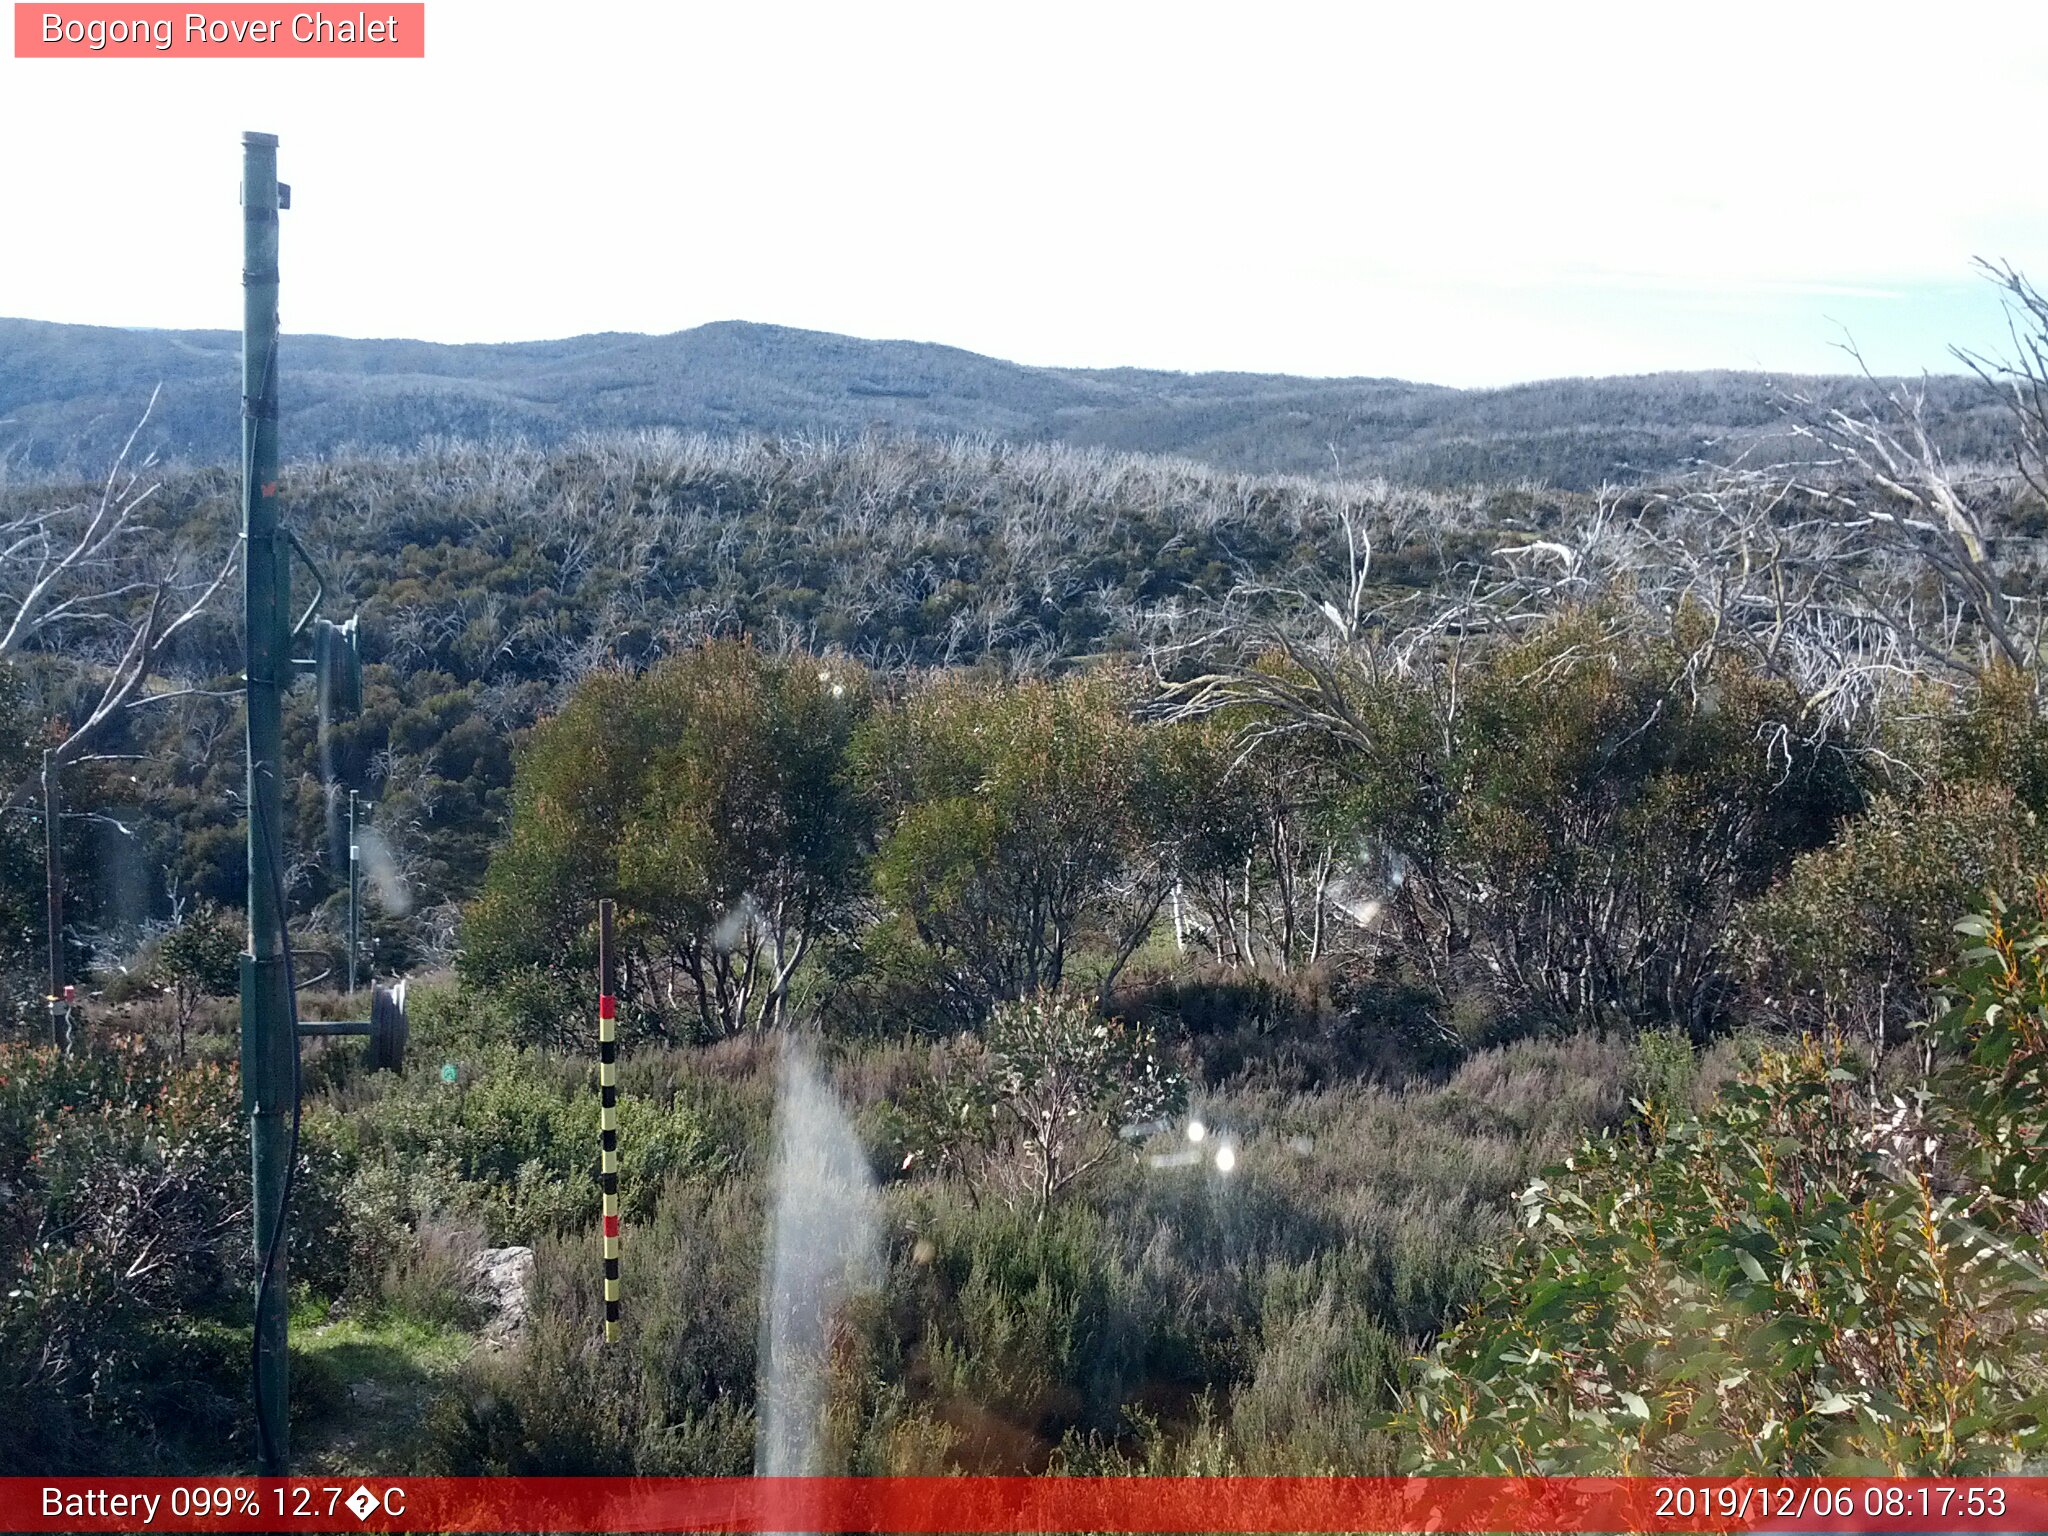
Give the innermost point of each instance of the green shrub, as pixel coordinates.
(198, 959)
(1310, 1028)
(710, 797)
(1041, 1103)
(1014, 820)
(126, 1238)
(1326, 1373)
(1159, 1317)
(1566, 822)
(432, 1277)
(1662, 1069)
(512, 1144)
(1812, 1276)
(1850, 938)
(673, 1396)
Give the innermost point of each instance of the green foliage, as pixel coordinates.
(1587, 822)
(1851, 937)
(198, 959)
(1855, 930)
(1506, 833)
(511, 1145)
(1991, 734)
(428, 1275)
(1663, 1068)
(1045, 1096)
(1255, 838)
(1325, 1374)
(23, 955)
(202, 954)
(493, 580)
(1814, 1275)
(1151, 1313)
(1992, 1083)
(674, 1396)
(124, 1239)
(708, 796)
(1016, 821)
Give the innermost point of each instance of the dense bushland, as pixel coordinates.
(1216, 898)
(1057, 1296)
(1571, 846)
(1824, 1272)
(1148, 1301)
(492, 580)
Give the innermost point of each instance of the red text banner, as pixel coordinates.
(928, 1506)
(227, 31)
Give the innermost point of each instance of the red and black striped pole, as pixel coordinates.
(608, 1115)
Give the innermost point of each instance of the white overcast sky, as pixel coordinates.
(1455, 193)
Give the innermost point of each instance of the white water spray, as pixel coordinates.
(393, 895)
(824, 1249)
(742, 924)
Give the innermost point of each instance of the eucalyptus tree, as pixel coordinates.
(709, 797)
(1020, 823)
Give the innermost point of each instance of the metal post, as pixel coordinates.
(355, 891)
(53, 900)
(608, 1116)
(269, 1044)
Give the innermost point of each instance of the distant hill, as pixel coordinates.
(69, 392)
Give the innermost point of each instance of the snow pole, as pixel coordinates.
(608, 1115)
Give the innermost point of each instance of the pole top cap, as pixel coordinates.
(259, 141)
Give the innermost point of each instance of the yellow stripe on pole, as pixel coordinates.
(608, 1113)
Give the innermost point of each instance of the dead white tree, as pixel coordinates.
(96, 582)
(2020, 378)
(1880, 474)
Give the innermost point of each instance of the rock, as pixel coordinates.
(504, 1283)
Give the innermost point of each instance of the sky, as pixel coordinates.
(1459, 194)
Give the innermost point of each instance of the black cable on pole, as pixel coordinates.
(291, 1156)
(266, 1271)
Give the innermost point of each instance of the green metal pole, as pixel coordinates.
(355, 891)
(269, 1043)
(53, 899)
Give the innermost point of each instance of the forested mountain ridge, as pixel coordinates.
(69, 393)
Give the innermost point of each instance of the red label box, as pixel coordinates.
(227, 31)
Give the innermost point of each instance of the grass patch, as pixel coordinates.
(361, 1387)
